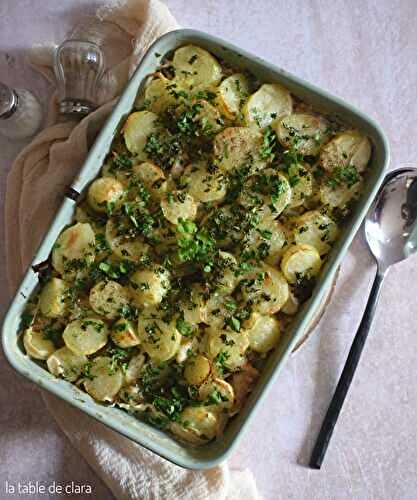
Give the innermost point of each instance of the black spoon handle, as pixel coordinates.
(345, 380)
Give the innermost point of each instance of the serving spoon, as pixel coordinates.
(391, 234)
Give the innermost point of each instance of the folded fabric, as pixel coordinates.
(35, 189)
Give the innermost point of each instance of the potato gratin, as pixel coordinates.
(213, 215)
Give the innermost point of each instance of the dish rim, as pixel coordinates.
(133, 86)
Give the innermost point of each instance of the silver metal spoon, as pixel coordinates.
(391, 234)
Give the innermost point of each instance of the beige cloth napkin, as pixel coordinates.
(35, 188)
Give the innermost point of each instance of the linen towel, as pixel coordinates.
(35, 189)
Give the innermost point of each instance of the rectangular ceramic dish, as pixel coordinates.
(144, 434)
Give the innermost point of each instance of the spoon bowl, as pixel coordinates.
(390, 226)
(391, 234)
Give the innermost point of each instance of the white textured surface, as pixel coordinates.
(364, 51)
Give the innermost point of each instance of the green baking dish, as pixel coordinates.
(151, 438)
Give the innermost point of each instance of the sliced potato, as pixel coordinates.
(316, 229)
(303, 132)
(122, 242)
(108, 298)
(227, 348)
(300, 261)
(264, 333)
(199, 425)
(179, 205)
(274, 294)
(346, 149)
(301, 182)
(197, 369)
(149, 286)
(194, 308)
(224, 224)
(152, 177)
(65, 363)
(74, 244)
(281, 195)
(268, 103)
(339, 196)
(36, 345)
(269, 239)
(227, 282)
(217, 394)
(105, 380)
(52, 299)
(123, 334)
(270, 192)
(232, 94)
(104, 191)
(159, 340)
(266, 289)
(85, 336)
(130, 398)
(202, 185)
(134, 368)
(138, 127)
(208, 118)
(236, 146)
(160, 94)
(196, 68)
(217, 309)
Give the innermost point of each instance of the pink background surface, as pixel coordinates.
(365, 52)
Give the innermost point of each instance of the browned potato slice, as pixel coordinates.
(152, 177)
(108, 298)
(159, 340)
(197, 369)
(74, 244)
(202, 185)
(267, 104)
(123, 334)
(269, 237)
(52, 300)
(235, 146)
(316, 229)
(179, 205)
(303, 132)
(196, 68)
(300, 261)
(85, 336)
(122, 243)
(301, 182)
(266, 289)
(228, 345)
(346, 149)
(217, 394)
(149, 286)
(233, 92)
(138, 127)
(160, 94)
(104, 191)
(202, 425)
(36, 345)
(264, 333)
(105, 380)
(65, 363)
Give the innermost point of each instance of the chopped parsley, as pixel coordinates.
(347, 176)
(185, 329)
